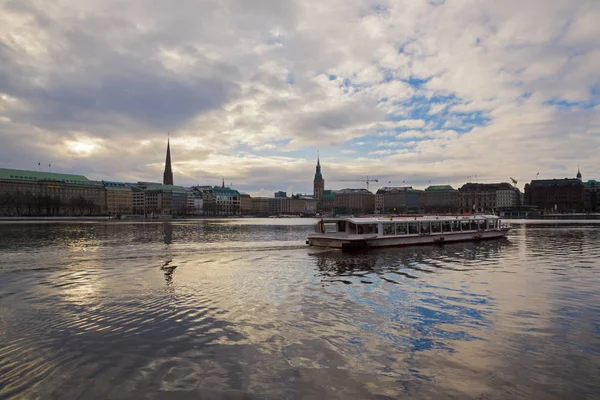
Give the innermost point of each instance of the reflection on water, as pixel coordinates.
(243, 309)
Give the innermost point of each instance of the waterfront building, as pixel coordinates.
(440, 199)
(354, 201)
(591, 189)
(276, 205)
(159, 199)
(36, 193)
(327, 202)
(413, 200)
(209, 199)
(487, 197)
(556, 195)
(245, 204)
(391, 200)
(139, 199)
(227, 200)
(195, 202)
(302, 204)
(119, 198)
(318, 183)
(260, 206)
(280, 195)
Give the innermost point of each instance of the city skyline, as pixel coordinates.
(422, 92)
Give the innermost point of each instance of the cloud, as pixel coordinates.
(250, 89)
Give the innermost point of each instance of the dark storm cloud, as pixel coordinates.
(113, 84)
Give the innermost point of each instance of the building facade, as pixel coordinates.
(34, 193)
(391, 200)
(440, 199)
(245, 204)
(260, 206)
(591, 189)
(119, 198)
(228, 201)
(556, 195)
(354, 201)
(487, 197)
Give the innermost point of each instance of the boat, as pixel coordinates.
(360, 233)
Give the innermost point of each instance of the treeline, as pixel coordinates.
(29, 204)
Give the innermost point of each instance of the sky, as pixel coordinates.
(413, 92)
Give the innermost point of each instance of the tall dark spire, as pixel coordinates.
(168, 175)
(318, 175)
(318, 182)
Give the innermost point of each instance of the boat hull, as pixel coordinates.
(358, 242)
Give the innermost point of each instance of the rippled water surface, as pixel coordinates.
(244, 309)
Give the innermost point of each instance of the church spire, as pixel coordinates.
(168, 174)
(318, 175)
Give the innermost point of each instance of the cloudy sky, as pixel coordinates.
(403, 90)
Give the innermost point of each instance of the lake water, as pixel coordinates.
(243, 309)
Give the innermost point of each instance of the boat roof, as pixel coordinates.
(417, 218)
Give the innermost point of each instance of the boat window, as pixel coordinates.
(341, 226)
(447, 226)
(481, 224)
(456, 226)
(473, 225)
(436, 227)
(388, 229)
(425, 228)
(352, 228)
(492, 223)
(413, 228)
(371, 228)
(401, 229)
(465, 225)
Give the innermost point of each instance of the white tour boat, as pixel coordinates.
(354, 233)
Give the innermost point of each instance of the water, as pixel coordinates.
(243, 309)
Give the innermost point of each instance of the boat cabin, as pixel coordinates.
(408, 226)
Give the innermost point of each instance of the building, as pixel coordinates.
(354, 201)
(556, 195)
(440, 199)
(119, 198)
(327, 202)
(280, 195)
(260, 206)
(318, 183)
(139, 199)
(413, 200)
(245, 204)
(195, 202)
(35, 193)
(228, 201)
(591, 189)
(391, 200)
(155, 199)
(487, 197)
(277, 205)
(302, 204)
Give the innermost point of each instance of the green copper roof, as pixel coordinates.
(24, 175)
(225, 191)
(439, 188)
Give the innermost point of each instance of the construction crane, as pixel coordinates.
(360, 180)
